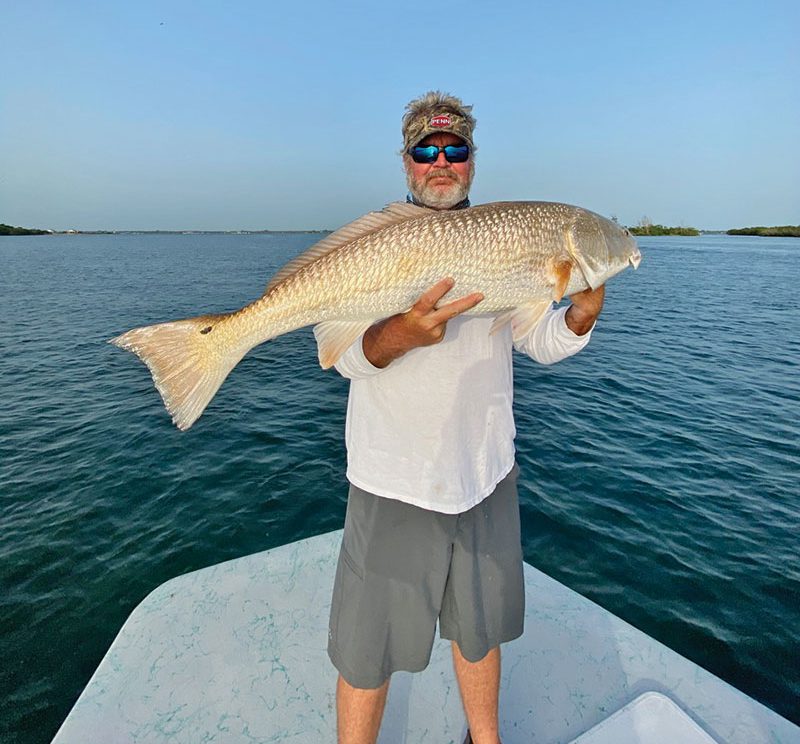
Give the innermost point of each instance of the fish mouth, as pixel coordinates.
(635, 257)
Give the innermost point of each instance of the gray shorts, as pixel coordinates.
(402, 567)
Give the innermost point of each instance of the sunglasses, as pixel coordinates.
(430, 154)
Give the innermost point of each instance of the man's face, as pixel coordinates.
(439, 185)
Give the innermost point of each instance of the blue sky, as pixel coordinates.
(264, 115)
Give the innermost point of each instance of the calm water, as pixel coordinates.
(660, 465)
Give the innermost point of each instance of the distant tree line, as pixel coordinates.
(11, 230)
(661, 230)
(784, 231)
(646, 227)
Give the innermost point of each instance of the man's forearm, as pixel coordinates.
(579, 323)
(380, 348)
(584, 311)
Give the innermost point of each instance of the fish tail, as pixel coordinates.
(188, 359)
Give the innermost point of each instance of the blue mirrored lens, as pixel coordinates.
(429, 154)
(456, 153)
(424, 154)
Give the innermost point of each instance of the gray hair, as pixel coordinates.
(437, 112)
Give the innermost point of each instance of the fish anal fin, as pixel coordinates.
(562, 270)
(334, 337)
(391, 214)
(523, 319)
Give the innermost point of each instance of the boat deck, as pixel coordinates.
(236, 653)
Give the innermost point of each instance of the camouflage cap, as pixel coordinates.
(437, 112)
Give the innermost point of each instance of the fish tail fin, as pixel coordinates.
(188, 362)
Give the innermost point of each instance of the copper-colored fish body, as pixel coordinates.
(520, 255)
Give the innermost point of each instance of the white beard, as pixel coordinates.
(435, 197)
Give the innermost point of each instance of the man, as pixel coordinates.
(432, 525)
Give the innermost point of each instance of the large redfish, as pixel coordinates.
(520, 255)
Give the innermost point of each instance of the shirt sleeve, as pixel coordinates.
(552, 340)
(353, 364)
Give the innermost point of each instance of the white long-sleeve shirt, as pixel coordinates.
(435, 427)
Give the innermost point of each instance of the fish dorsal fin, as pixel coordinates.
(391, 214)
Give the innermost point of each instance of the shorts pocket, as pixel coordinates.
(351, 564)
(348, 590)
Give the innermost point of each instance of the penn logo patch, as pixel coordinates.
(441, 121)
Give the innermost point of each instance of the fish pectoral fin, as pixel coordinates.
(562, 270)
(334, 337)
(523, 319)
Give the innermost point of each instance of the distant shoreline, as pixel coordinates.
(650, 229)
(16, 231)
(783, 231)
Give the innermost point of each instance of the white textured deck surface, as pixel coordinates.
(236, 653)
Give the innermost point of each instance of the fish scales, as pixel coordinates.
(388, 271)
(520, 255)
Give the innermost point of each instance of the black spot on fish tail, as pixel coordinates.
(207, 329)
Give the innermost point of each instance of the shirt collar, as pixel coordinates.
(463, 204)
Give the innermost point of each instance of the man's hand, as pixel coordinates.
(585, 308)
(423, 325)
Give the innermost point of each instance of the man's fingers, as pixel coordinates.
(428, 301)
(456, 307)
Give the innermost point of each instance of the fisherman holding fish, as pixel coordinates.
(432, 529)
(432, 525)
